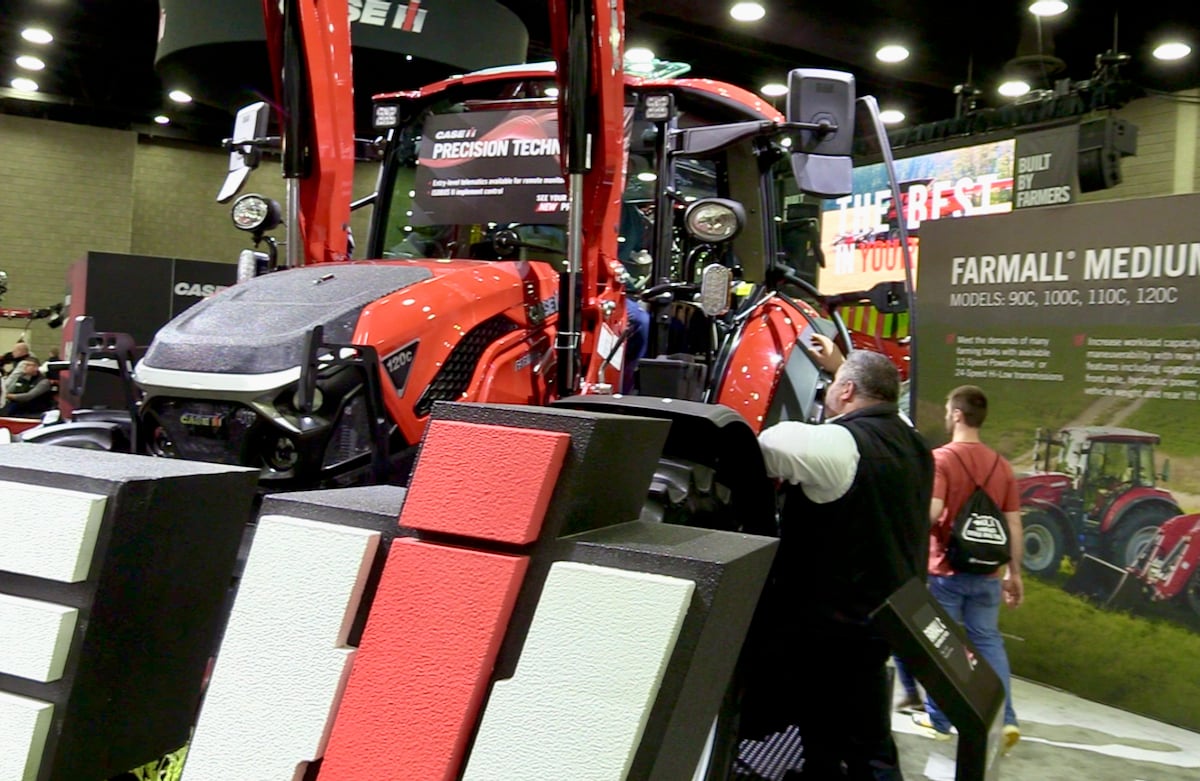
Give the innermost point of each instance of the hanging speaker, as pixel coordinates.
(1102, 144)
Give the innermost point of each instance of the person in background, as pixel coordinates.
(12, 359)
(854, 527)
(28, 391)
(970, 599)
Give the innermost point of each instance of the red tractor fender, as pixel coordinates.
(1134, 498)
(1044, 488)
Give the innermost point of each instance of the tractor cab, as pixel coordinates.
(1108, 462)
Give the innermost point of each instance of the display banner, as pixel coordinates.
(504, 164)
(1047, 167)
(859, 232)
(1082, 325)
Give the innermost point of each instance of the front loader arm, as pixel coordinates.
(309, 46)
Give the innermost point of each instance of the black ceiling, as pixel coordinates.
(100, 68)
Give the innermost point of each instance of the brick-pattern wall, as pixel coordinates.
(66, 189)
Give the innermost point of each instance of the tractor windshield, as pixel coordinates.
(477, 179)
(1117, 465)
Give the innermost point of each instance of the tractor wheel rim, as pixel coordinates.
(1137, 544)
(1039, 547)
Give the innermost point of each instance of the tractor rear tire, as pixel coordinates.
(1045, 544)
(1134, 532)
(1191, 593)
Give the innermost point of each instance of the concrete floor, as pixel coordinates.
(1065, 738)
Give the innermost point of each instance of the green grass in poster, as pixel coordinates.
(1139, 664)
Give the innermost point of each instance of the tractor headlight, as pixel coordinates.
(253, 212)
(714, 219)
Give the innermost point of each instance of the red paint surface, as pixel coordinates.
(487, 482)
(423, 667)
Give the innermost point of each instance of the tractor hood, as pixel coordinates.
(260, 325)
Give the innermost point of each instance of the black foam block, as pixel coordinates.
(149, 610)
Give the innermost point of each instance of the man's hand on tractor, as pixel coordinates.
(826, 353)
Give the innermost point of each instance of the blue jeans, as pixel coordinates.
(974, 602)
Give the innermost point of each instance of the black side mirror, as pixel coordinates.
(821, 103)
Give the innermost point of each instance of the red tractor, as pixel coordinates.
(1169, 566)
(1093, 493)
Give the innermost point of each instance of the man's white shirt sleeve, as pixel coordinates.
(822, 459)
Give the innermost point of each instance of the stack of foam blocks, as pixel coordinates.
(505, 616)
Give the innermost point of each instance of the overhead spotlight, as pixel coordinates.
(639, 54)
(1047, 7)
(892, 53)
(24, 85)
(1013, 89)
(647, 176)
(747, 12)
(179, 96)
(162, 119)
(30, 63)
(1172, 50)
(774, 89)
(891, 116)
(37, 35)
(550, 92)
(408, 58)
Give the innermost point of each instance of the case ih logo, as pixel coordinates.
(384, 13)
(197, 289)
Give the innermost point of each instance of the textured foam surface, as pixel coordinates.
(593, 661)
(486, 482)
(35, 638)
(424, 663)
(260, 325)
(51, 533)
(26, 723)
(282, 662)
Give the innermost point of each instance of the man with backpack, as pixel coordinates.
(975, 545)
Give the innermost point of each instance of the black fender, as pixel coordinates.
(88, 435)
(713, 436)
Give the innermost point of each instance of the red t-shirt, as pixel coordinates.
(953, 484)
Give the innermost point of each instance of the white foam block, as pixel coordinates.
(35, 638)
(26, 724)
(590, 670)
(283, 661)
(49, 532)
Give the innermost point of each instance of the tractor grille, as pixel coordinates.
(216, 432)
(455, 375)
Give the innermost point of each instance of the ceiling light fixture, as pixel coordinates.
(893, 52)
(37, 35)
(891, 116)
(1047, 7)
(550, 92)
(24, 85)
(747, 12)
(774, 89)
(179, 96)
(1014, 89)
(639, 54)
(30, 63)
(1172, 50)
(162, 119)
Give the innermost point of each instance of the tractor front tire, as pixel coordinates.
(1045, 544)
(1133, 533)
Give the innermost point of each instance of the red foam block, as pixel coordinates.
(486, 482)
(422, 670)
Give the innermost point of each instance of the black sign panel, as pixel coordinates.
(398, 365)
(502, 164)
(193, 280)
(937, 651)
(1046, 167)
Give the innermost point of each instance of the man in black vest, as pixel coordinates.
(854, 527)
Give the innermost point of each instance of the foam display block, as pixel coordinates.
(25, 724)
(607, 468)
(424, 662)
(120, 611)
(485, 482)
(283, 659)
(595, 671)
(35, 637)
